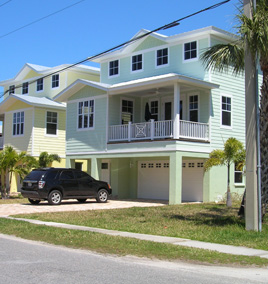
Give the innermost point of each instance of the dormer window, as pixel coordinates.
(25, 87)
(190, 50)
(55, 80)
(162, 57)
(11, 90)
(137, 62)
(39, 85)
(114, 68)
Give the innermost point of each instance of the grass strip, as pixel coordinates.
(214, 223)
(122, 246)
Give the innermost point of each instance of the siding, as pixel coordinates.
(90, 139)
(20, 143)
(42, 142)
(176, 64)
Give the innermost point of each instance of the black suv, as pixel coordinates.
(55, 184)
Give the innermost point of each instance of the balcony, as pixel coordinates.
(155, 130)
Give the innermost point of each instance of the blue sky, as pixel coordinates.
(91, 27)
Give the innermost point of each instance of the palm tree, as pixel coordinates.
(233, 152)
(13, 162)
(45, 159)
(253, 33)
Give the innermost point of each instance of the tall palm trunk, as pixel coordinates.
(229, 198)
(264, 135)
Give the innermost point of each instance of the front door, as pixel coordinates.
(168, 111)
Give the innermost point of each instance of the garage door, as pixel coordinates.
(153, 180)
(192, 181)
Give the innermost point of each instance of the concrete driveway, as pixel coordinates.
(72, 205)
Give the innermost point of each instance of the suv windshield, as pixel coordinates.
(35, 175)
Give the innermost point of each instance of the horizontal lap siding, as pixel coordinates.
(91, 139)
(176, 64)
(20, 143)
(234, 86)
(51, 144)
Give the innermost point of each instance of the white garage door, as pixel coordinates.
(192, 181)
(153, 180)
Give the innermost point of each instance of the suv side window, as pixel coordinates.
(82, 175)
(67, 175)
(51, 175)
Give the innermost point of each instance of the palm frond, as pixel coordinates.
(216, 158)
(222, 57)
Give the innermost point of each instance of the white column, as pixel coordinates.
(129, 131)
(176, 111)
(152, 129)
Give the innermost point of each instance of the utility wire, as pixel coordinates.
(40, 19)
(5, 3)
(167, 26)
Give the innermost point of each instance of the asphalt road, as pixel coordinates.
(23, 261)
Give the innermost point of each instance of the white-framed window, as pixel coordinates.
(226, 111)
(11, 90)
(136, 62)
(154, 109)
(55, 81)
(18, 123)
(86, 114)
(238, 174)
(51, 123)
(114, 68)
(25, 88)
(162, 57)
(127, 111)
(193, 108)
(190, 50)
(40, 85)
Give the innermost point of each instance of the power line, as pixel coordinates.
(167, 26)
(5, 3)
(40, 19)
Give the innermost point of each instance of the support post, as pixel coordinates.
(175, 178)
(176, 111)
(251, 206)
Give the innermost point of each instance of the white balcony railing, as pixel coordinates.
(158, 130)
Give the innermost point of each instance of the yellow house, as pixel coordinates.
(31, 120)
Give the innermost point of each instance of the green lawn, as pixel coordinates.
(123, 246)
(204, 222)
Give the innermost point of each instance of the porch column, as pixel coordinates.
(95, 168)
(175, 178)
(176, 111)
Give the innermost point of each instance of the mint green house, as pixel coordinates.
(150, 123)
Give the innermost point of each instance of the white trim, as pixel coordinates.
(127, 99)
(94, 116)
(51, 135)
(198, 102)
(143, 150)
(226, 126)
(159, 106)
(183, 51)
(116, 75)
(18, 135)
(55, 88)
(142, 62)
(163, 65)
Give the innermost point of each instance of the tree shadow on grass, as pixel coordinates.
(215, 216)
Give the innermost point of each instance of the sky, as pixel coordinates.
(90, 27)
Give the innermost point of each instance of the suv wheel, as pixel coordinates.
(102, 196)
(34, 201)
(54, 197)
